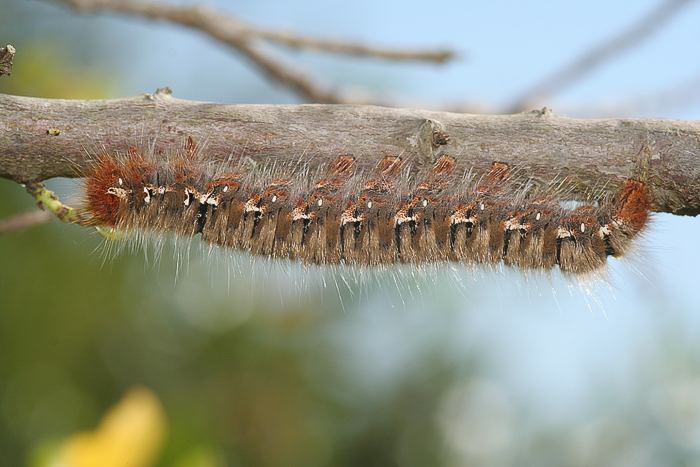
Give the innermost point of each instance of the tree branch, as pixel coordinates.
(291, 39)
(7, 53)
(242, 37)
(47, 200)
(600, 54)
(593, 154)
(209, 20)
(222, 28)
(24, 221)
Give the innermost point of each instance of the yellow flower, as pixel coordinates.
(130, 434)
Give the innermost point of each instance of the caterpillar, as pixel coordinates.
(377, 217)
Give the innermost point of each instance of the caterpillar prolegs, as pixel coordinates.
(391, 214)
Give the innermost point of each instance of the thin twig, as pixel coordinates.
(24, 221)
(223, 28)
(51, 206)
(242, 37)
(283, 73)
(48, 201)
(236, 26)
(599, 54)
(292, 39)
(7, 53)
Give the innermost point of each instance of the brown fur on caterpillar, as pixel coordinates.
(377, 218)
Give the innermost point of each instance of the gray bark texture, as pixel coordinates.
(7, 53)
(45, 138)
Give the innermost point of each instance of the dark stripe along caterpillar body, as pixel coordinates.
(376, 218)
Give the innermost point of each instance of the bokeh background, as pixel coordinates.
(229, 361)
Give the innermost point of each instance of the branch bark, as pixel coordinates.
(7, 53)
(44, 138)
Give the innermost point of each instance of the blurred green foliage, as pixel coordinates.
(47, 70)
(76, 335)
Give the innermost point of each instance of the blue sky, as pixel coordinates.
(507, 46)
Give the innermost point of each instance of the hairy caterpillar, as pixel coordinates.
(378, 217)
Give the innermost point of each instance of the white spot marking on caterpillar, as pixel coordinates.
(118, 192)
